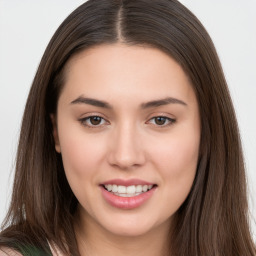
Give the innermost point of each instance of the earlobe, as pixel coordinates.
(55, 133)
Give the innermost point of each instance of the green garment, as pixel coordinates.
(34, 251)
(29, 250)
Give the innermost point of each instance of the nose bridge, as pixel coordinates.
(126, 148)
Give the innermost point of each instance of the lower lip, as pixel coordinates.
(127, 202)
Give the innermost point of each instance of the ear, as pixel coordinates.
(55, 133)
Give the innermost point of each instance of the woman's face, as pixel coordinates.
(128, 130)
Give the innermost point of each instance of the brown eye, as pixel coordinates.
(161, 121)
(95, 120)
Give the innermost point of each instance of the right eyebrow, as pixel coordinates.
(162, 102)
(91, 101)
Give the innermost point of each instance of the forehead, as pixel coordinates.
(131, 71)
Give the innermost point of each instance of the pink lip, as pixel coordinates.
(127, 182)
(126, 202)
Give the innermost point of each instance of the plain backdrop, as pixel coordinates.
(26, 27)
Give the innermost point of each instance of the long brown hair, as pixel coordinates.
(214, 218)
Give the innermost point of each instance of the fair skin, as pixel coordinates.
(142, 126)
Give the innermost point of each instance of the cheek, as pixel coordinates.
(176, 159)
(82, 157)
(177, 153)
(81, 154)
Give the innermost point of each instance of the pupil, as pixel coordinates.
(160, 120)
(95, 120)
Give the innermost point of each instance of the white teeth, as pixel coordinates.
(114, 188)
(144, 188)
(129, 191)
(121, 189)
(109, 187)
(139, 188)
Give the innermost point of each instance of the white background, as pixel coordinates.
(26, 27)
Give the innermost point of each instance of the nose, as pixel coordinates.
(126, 150)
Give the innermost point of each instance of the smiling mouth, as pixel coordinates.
(128, 191)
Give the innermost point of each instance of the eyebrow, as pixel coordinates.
(90, 101)
(150, 104)
(162, 102)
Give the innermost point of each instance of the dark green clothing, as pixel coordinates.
(29, 250)
(34, 251)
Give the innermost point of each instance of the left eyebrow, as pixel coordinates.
(93, 102)
(162, 102)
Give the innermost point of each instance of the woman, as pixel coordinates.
(129, 142)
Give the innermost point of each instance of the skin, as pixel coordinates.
(127, 143)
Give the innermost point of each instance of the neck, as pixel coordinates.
(94, 240)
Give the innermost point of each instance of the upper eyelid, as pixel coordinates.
(167, 115)
(91, 114)
(172, 120)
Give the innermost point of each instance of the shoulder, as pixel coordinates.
(19, 241)
(4, 251)
(22, 251)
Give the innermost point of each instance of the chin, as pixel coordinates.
(132, 226)
(129, 231)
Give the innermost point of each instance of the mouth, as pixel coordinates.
(127, 194)
(128, 191)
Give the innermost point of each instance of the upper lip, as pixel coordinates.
(129, 182)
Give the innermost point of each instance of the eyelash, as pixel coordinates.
(167, 121)
(84, 121)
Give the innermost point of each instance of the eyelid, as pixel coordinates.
(171, 120)
(86, 117)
